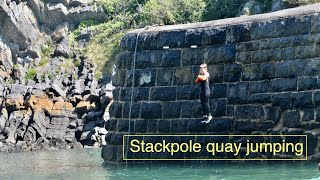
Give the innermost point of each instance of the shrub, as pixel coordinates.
(31, 74)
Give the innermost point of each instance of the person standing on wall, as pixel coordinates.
(203, 81)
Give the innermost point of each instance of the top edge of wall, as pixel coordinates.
(286, 13)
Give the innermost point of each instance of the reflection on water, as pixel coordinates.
(87, 164)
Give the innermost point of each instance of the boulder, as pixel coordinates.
(79, 86)
(82, 107)
(22, 146)
(5, 60)
(76, 3)
(62, 48)
(40, 123)
(30, 136)
(3, 118)
(21, 24)
(14, 102)
(10, 134)
(57, 90)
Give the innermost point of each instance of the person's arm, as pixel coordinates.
(203, 77)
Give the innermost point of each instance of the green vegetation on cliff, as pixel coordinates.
(124, 16)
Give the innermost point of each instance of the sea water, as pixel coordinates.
(88, 164)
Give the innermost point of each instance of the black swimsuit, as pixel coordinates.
(204, 96)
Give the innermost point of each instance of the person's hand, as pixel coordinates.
(197, 80)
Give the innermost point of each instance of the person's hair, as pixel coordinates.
(204, 65)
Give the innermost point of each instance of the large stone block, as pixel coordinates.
(218, 91)
(224, 125)
(267, 70)
(147, 59)
(163, 93)
(259, 87)
(195, 125)
(220, 54)
(179, 125)
(316, 98)
(135, 110)
(308, 114)
(143, 78)
(280, 27)
(139, 94)
(151, 110)
(315, 23)
(304, 52)
(238, 93)
(193, 56)
(307, 83)
(152, 126)
(246, 126)
(251, 72)
(289, 69)
(302, 100)
(116, 110)
(140, 126)
(244, 57)
(232, 72)
(272, 113)
(216, 73)
(285, 84)
(288, 53)
(194, 37)
(291, 119)
(123, 125)
(259, 98)
(248, 46)
(218, 108)
(188, 92)
(164, 126)
(124, 60)
(249, 112)
(171, 58)
(173, 39)
(191, 109)
(147, 40)
(312, 67)
(238, 33)
(119, 78)
(183, 76)
(111, 124)
(282, 99)
(266, 56)
(164, 76)
(214, 36)
(172, 109)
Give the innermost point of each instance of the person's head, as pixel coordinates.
(203, 68)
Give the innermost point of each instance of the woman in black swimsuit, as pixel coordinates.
(203, 81)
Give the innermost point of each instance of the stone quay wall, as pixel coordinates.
(264, 79)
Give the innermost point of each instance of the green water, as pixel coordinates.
(87, 164)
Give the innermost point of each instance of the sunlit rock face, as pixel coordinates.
(46, 101)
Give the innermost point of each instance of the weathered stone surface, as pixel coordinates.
(14, 102)
(171, 58)
(279, 85)
(151, 110)
(163, 94)
(238, 93)
(292, 119)
(232, 72)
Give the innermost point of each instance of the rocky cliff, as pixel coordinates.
(49, 96)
